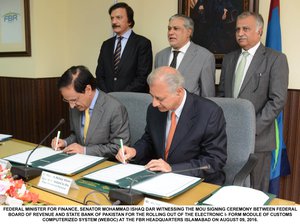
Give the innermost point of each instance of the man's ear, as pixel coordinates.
(88, 89)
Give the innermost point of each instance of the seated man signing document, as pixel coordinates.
(97, 120)
(183, 131)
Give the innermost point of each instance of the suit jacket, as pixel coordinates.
(109, 123)
(197, 68)
(134, 67)
(265, 85)
(199, 139)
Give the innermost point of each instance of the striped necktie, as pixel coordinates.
(117, 55)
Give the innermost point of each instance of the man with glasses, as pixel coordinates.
(97, 120)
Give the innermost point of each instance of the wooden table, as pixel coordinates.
(76, 196)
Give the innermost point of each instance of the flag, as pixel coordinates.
(279, 165)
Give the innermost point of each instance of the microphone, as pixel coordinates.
(25, 172)
(133, 197)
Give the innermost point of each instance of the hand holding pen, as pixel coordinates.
(57, 143)
(125, 153)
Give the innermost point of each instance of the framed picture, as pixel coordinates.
(215, 22)
(14, 28)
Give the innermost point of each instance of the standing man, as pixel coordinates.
(260, 75)
(195, 63)
(97, 120)
(183, 131)
(125, 60)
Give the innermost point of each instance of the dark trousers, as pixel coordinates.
(260, 176)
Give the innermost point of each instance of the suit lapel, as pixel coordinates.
(127, 52)
(160, 131)
(231, 72)
(166, 57)
(256, 61)
(77, 125)
(185, 123)
(110, 53)
(186, 61)
(96, 116)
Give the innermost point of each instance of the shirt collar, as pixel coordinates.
(184, 48)
(180, 108)
(126, 35)
(94, 100)
(253, 49)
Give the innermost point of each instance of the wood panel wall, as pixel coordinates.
(290, 185)
(30, 108)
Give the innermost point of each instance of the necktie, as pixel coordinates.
(86, 123)
(171, 134)
(117, 55)
(239, 74)
(174, 61)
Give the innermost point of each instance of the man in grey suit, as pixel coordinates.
(97, 120)
(263, 81)
(195, 63)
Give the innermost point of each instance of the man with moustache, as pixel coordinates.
(125, 60)
(195, 63)
(263, 81)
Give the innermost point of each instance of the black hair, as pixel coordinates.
(79, 76)
(128, 9)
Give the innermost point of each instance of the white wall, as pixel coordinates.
(70, 32)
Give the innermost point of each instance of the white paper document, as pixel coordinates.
(72, 164)
(38, 154)
(111, 174)
(165, 185)
(237, 196)
(4, 137)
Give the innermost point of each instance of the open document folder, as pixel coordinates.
(238, 196)
(163, 185)
(56, 161)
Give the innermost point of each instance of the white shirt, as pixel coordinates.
(177, 113)
(124, 40)
(251, 52)
(181, 54)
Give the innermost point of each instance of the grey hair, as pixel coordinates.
(171, 77)
(188, 22)
(259, 19)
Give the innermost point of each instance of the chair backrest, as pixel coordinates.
(136, 105)
(240, 127)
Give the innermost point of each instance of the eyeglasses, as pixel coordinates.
(72, 102)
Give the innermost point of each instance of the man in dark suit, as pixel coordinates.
(97, 120)
(199, 135)
(125, 68)
(263, 81)
(195, 63)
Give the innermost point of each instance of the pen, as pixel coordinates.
(122, 150)
(57, 138)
